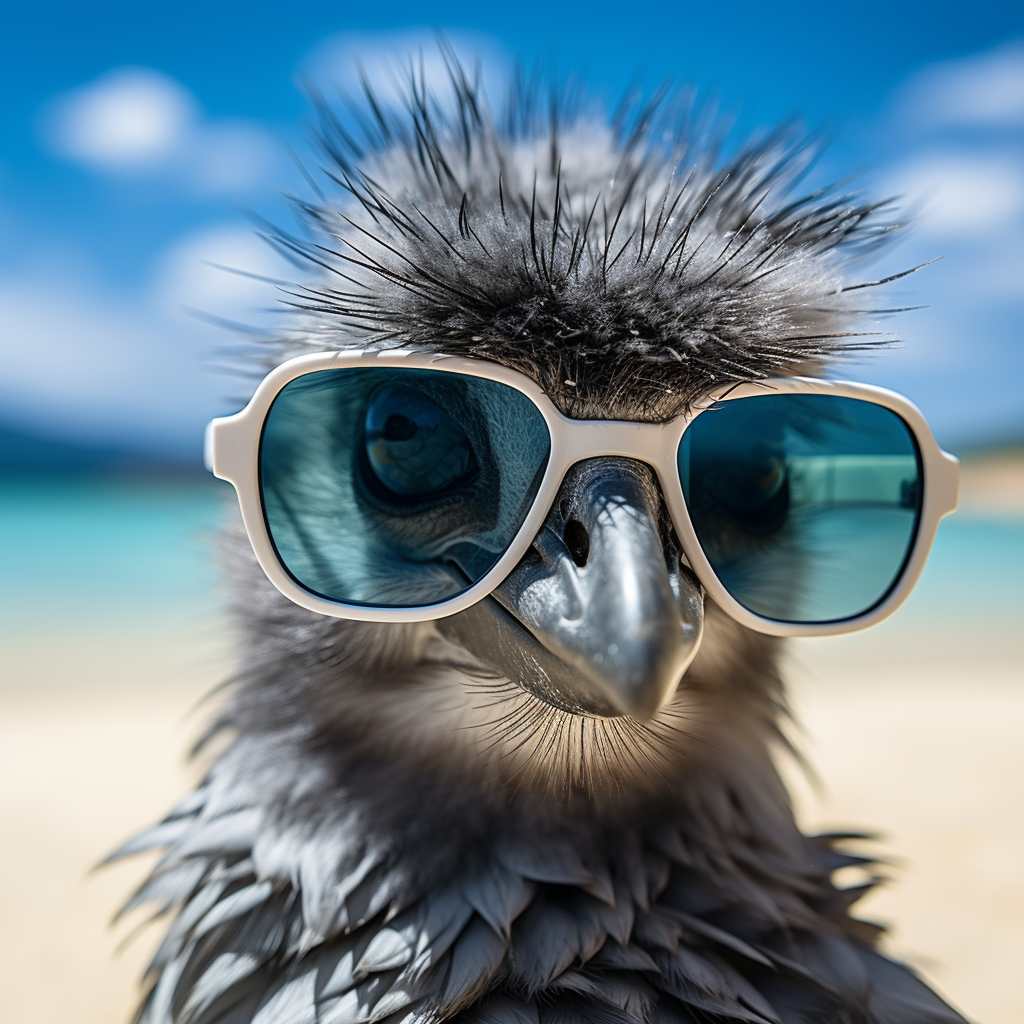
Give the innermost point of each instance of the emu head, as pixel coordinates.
(628, 270)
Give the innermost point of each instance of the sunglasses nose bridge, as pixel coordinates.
(652, 444)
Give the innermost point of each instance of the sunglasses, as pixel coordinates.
(393, 487)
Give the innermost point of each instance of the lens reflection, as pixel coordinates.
(806, 506)
(396, 486)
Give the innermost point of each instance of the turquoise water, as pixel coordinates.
(93, 552)
(102, 552)
(975, 570)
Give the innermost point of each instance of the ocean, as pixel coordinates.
(103, 552)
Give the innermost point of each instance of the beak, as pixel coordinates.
(600, 617)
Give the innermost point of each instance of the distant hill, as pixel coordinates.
(24, 451)
(1006, 448)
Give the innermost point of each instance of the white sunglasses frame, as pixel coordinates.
(233, 443)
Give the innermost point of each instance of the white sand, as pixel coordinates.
(931, 758)
(83, 766)
(935, 763)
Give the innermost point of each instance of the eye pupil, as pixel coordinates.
(398, 428)
(414, 450)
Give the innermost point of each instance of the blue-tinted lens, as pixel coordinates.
(396, 486)
(806, 506)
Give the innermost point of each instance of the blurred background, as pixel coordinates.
(138, 141)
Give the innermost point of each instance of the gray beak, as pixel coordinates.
(600, 616)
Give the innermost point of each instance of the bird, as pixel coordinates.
(473, 819)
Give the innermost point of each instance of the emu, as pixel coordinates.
(473, 819)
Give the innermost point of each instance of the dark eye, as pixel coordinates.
(414, 449)
(752, 490)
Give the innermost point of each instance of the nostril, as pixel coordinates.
(563, 509)
(577, 540)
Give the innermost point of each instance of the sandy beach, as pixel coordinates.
(914, 729)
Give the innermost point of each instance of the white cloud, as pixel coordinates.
(387, 58)
(82, 361)
(953, 135)
(140, 121)
(126, 119)
(962, 192)
(198, 272)
(94, 368)
(986, 90)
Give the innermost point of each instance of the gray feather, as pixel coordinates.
(372, 845)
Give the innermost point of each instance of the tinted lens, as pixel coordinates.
(394, 486)
(806, 506)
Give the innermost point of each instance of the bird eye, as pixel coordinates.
(752, 491)
(414, 449)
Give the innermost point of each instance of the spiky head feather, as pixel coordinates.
(627, 266)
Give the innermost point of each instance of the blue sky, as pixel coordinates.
(131, 132)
